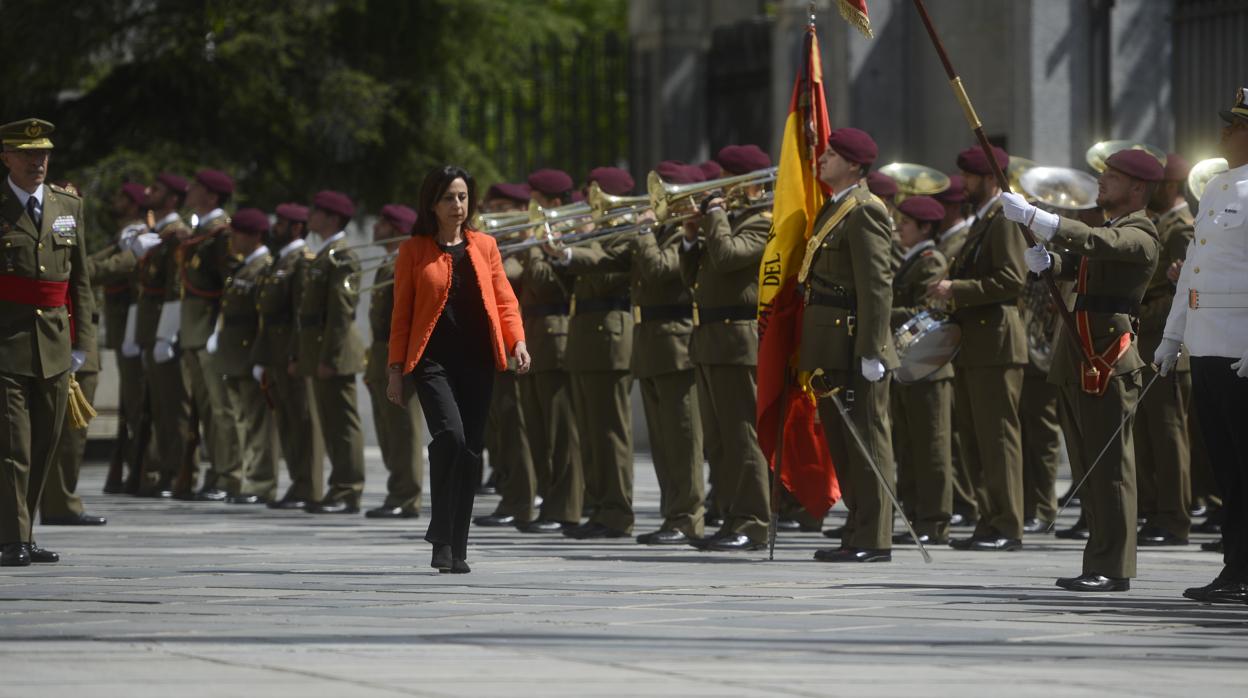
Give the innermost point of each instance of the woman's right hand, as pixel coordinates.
(394, 387)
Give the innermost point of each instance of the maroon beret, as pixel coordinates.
(135, 192)
(334, 202)
(974, 161)
(400, 217)
(924, 209)
(293, 212)
(173, 182)
(854, 145)
(512, 192)
(711, 170)
(740, 159)
(550, 182)
(215, 181)
(613, 180)
(956, 193)
(882, 185)
(1136, 163)
(677, 172)
(576, 197)
(1177, 168)
(250, 220)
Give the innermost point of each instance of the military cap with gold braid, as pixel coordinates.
(27, 134)
(1239, 111)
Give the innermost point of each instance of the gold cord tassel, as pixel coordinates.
(80, 410)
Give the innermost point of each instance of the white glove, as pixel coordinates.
(257, 372)
(1167, 355)
(1016, 208)
(1037, 259)
(130, 349)
(140, 244)
(211, 346)
(872, 369)
(1241, 366)
(76, 359)
(162, 352)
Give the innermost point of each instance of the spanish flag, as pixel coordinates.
(806, 468)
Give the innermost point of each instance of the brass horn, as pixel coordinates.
(606, 205)
(1202, 172)
(916, 180)
(1099, 153)
(1060, 187)
(664, 195)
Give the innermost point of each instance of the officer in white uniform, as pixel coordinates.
(1210, 317)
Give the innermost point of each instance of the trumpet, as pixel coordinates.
(665, 196)
(537, 216)
(606, 205)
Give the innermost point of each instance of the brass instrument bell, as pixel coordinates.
(1202, 172)
(1060, 187)
(915, 180)
(1099, 153)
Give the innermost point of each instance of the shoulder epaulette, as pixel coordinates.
(63, 191)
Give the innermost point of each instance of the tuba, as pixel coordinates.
(1100, 152)
(915, 180)
(1202, 172)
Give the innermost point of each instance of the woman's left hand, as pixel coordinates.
(522, 358)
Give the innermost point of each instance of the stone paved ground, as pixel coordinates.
(210, 600)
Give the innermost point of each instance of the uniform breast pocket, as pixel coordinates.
(17, 254)
(63, 251)
(1231, 218)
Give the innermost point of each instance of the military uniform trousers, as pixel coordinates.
(32, 414)
(922, 426)
(992, 444)
(1219, 396)
(1042, 446)
(253, 429)
(740, 476)
(171, 421)
(218, 415)
(299, 430)
(1162, 455)
(670, 401)
(1204, 484)
(132, 386)
(401, 437)
(964, 488)
(344, 440)
(603, 418)
(60, 491)
(546, 399)
(508, 446)
(869, 524)
(1108, 497)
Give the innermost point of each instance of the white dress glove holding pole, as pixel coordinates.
(142, 243)
(1241, 366)
(257, 372)
(1167, 355)
(212, 343)
(1037, 259)
(162, 351)
(872, 369)
(76, 360)
(1041, 222)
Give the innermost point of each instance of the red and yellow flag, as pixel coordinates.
(855, 12)
(806, 468)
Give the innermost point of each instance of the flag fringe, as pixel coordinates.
(856, 17)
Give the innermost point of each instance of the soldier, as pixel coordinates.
(400, 430)
(331, 351)
(204, 264)
(847, 279)
(982, 291)
(1112, 265)
(922, 411)
(46, 287)
(1162, 451)
(276, 345)
(719, 261)
(600, 343)
(233, 357)
(158, 313)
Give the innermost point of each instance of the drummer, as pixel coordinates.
(921, 410)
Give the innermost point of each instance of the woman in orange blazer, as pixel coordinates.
(454, 323)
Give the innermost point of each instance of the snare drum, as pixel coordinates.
(925, 343)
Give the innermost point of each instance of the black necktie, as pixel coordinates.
(32, 210)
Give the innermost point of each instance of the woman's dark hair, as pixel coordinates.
(435, 185)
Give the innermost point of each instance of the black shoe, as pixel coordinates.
(544, 526)
(663, 537)
(788, 525)
(211, 495)
(1202, 593)
(14, 555)
(704, 543)
(74, 520)
(1035, 526)
(1199, 510)
(38, 554)
(1094, 582)
(962, 520)
(712, 521)
(734, 542)
(1153, 536)
(180, 495)
(906, 539)
(288, 504)
(1067, 500)
(1077, 532)
(853, 555)
(1209, 525)
(495, 520)
(114, 488)
(1212, 546)
(335, 506)
(441, 557)
(487, 489)
(986, 544)
(593, 530)
(391, 513)
(834, 533)
(1235, 592)
(457, 567)
(245, 499)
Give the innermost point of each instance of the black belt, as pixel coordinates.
(544, 309)
(662, 313)
(1107, 304)
(311, 320)
(835, 300)
(593, 305)
(727, 313)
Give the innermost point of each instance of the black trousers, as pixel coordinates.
(455, 397)
(1221, 400)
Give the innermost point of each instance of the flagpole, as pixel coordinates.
(972, 119)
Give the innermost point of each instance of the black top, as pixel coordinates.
(462, 334)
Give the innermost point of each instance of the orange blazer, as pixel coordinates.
(422, 283)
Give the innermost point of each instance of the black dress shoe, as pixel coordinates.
(663, 537)
(441, 557)
(1068, 500)
(1233, 592)
(114, 488)
(1077, 532)
(545, 526)
(1213, 546)
(14, 555)
(704, 542)
(962, 520)
(1209, 525)
(593, 530)
(457, 567)
(986, 544)
(74, 520)
(1198, 510)
(734, 542)
(834, 533)
(853, 555)
(336, 506)
(288, 504)
(788, 525)
(211, 495)
(180, 495)
(905, 538)
(495, 520)
(245, 499)
(1153, 536)
(38, 554)
(1202, 593)
(391, 513)
(1094, 582)
(1035, 526)
(712, 521)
